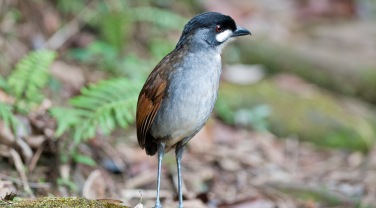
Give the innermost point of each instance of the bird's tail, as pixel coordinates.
(151, 147)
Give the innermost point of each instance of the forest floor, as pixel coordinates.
(223, 166)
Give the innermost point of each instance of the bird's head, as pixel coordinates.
(210, 29)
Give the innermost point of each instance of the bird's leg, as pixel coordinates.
(161, 149)
(179, 154)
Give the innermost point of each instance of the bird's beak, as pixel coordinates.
(240, 31)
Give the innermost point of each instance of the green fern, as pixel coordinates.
(29, 77)
(101, 108)
(7, 116)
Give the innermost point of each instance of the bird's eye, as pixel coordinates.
(218, 28)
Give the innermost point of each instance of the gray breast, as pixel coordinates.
(190, 98)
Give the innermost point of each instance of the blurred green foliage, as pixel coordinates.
(318, 118)
(7, 116)
(101, 107)
(128, 39)
(25, 85)
(255, 117)
(131, 37)
(3, 84)
(131, 40)
(28, 78)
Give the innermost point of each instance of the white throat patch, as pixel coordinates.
(223, 36)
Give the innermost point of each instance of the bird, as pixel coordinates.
(179, 94)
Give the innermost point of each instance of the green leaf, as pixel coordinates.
(83, 159)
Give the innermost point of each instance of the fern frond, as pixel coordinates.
(66, 118)
(7, 116)
(30, 76)
(101, 107)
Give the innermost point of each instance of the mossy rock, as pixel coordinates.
(343, 73)
(317, 116)
(49, 202)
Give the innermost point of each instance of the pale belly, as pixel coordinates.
(186, 108)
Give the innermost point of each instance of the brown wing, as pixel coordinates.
(149, 101)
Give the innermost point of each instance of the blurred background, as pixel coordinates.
(294, 124)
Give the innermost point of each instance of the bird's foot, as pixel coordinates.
(158, 205)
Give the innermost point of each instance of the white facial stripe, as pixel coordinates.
(221, 37)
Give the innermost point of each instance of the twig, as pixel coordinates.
(146, 194)
(6, 135)
(7, 138)
(21, 170)
(25, 149)
(33, 185)
(91, 182)
(35, 158)
(292, 147)
(68, 30)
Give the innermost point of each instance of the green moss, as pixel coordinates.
(316, 116)
(50, 202)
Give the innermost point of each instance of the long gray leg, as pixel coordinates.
(161, 149)
(179, 154)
